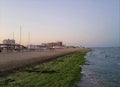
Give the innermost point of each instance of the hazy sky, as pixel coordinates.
(75, 22)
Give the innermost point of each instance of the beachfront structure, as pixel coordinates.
(57, 47)
(46, 46)
(36, 47)
(10, 45)
(9, 41)
(53, 44)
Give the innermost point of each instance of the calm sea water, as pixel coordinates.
(102, 68)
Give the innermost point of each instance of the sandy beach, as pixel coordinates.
(13, 60)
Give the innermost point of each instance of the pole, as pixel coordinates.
(20, 35)
(20, 38)
(13, 35)
(28, 38)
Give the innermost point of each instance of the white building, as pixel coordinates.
(36, 47)
(8, 41)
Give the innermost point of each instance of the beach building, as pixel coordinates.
(9, 45)
(9, 41)
(53, 44)
(36, 47)
(46, 46)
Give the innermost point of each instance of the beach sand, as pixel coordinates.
(10, 61)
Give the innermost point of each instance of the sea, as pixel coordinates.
(102, 68)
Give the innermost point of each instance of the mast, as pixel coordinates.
(28, 38)
(13, 35)
(20, 35)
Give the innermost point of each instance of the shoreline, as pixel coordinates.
(64, 71)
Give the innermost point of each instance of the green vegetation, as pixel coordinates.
(62, 72)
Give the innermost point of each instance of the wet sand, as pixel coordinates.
(13, 60)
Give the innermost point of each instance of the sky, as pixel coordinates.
(90, 23)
